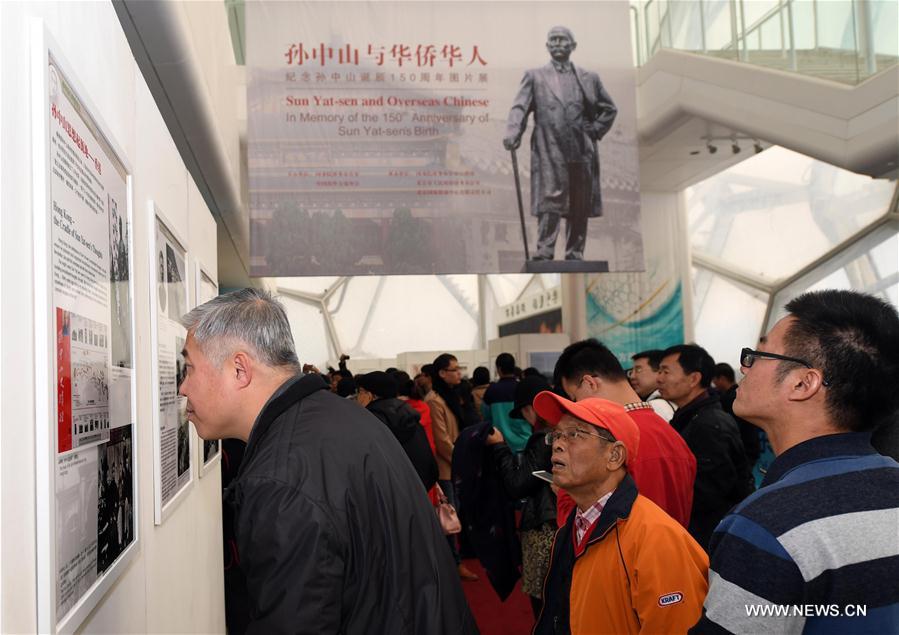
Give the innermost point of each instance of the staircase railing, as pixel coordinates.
(842, 40)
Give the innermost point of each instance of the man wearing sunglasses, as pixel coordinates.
(619, 564)
(816, 548)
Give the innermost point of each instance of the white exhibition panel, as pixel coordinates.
(169, 296)
(85, 457)
(171, 581)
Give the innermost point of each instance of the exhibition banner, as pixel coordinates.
(83, 271)
(381, 138)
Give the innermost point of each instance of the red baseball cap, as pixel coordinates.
(601, 413)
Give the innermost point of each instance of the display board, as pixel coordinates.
(172, 440)
(377, 138)
(84, 342)
(206, 288)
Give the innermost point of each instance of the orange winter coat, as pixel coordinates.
(636, 571)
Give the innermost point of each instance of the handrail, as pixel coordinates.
(638, 43)
(646, 27)
(755, 26)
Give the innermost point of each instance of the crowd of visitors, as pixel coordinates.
(630, 490)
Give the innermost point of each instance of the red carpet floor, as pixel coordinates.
(512, 617)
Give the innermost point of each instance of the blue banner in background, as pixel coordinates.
(657, 322)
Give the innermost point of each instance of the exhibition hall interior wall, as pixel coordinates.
(174, 582)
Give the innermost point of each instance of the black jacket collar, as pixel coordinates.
(293, 390)
(683, 416)
(831, 445)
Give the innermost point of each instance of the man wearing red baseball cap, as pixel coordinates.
(619, 564)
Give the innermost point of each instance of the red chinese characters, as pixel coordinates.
(78, 140)
(399, 55)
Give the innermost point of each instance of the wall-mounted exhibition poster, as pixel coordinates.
(380, 138)
(172, 438)
(206, 288)
(83, 312)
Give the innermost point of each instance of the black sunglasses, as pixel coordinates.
(748, 357)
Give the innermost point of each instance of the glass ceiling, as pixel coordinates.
(776, 225)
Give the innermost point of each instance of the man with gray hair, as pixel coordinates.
(572, 113)
(334, 529)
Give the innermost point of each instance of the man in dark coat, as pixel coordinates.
(334, 533)
(572, 113)
(723, 474)
(377, 394)
(724, 381)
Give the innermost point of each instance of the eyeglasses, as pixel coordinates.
(748, 357)
(571, 435)
(452, 370)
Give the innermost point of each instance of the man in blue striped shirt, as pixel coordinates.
(816, 549)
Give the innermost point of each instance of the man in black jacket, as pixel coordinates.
(377, 394)
(725, 382)
(333, 532)
(723, 474)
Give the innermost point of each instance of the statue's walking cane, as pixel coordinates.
(524, 235)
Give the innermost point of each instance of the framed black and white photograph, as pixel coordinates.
(172, 440)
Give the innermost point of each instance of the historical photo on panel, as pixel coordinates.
(76, 525)
(176, 279)
(183, 428)
(115, 502)
(210, 449)
(161, 292)
(82, 359)
(119, 297)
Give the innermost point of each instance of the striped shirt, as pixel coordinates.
(815, 550)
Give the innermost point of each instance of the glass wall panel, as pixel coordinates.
(729, 318)
(777, 211)
(350, 308)
(836, 25)
(309, 333)
(717, 15)
(885, 19)
(754, 11)
(871, 265)
(418, 313)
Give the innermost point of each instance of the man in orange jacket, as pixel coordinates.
(620, 564)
